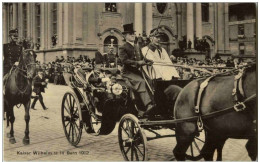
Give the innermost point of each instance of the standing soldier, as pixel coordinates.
(12, 52)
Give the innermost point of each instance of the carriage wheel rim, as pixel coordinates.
(72, 129)
(133, 147)
(194, 151)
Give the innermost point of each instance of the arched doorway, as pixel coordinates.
(164, 41)
(110, 41)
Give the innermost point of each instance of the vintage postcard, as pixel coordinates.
(129, 81)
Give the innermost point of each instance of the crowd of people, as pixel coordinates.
(54, 70)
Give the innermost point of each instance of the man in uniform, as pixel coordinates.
(153, 51)
(131, 61)
(12, 51)
(109, 57)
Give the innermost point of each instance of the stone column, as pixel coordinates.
(198, 21)
(43, 17)
(149, 18)
(15, 20)
(221, 27)
(77, 23)
(190, 25)
(5, 25)
(20, 20)
(138, 24)
(60, 24)
(226, 28)
(179, 22)
(49, 25)
(28, 20)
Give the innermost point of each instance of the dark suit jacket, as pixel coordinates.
(37, 82)
(128, 58)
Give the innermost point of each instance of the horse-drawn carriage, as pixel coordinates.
(100, 98)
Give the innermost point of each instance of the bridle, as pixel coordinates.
(24, 73)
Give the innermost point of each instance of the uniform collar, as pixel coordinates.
(153, 47)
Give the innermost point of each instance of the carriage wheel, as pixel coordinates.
(193, 152)
(71, 118)
(132, 139)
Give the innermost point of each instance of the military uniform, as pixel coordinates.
(12, 52)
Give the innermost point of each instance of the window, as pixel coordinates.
(38, 25)
(11, 16)
(111, 7)
(24, 20)
(54, 24)
(241, 48)
(241, 31)
(205, 12)
(54, 18)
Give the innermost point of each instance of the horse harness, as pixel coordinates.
(237, 93)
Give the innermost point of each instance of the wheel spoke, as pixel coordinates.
(125, 131)
(67, 110)
(70, 100)
(127, 150)
(69, 130)
(132, 153)
(73, 103)
(72, 137)
(67, 124)
(196, 145)
(75, 124)
(199, 139)
(191, 150)
(137, 148)
(76, 111)
(68, 105)
(136, 155)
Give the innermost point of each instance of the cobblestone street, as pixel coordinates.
(47, 138)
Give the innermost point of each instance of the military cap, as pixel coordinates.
(156, 32)
(13, 32)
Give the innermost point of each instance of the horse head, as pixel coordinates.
(28, 62)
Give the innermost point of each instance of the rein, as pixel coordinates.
(26, 76)
(204, 116)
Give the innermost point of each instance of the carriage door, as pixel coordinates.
(165, 42)
(110, 41)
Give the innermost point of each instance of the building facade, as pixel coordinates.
(73, 29)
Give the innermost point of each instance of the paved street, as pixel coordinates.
(47, 136)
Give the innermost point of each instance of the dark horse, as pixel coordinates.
(18, 89)
(217, 96)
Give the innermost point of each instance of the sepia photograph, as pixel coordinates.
(129, 81)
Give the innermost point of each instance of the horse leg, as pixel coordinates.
(12, 119)
(184, 140)
(251, 147)
(212, 143)
(220, 146)
(26, 139)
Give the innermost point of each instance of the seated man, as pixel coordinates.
(153, 51)
(130, 71)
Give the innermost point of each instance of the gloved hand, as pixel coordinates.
(16, 63)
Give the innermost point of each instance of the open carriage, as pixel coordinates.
(100, 98)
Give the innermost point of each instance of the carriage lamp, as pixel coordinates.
(117, 89)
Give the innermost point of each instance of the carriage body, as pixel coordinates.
(96, 108)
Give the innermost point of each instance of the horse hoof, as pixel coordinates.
(12, 140)
(8, 135)
(26, 141)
